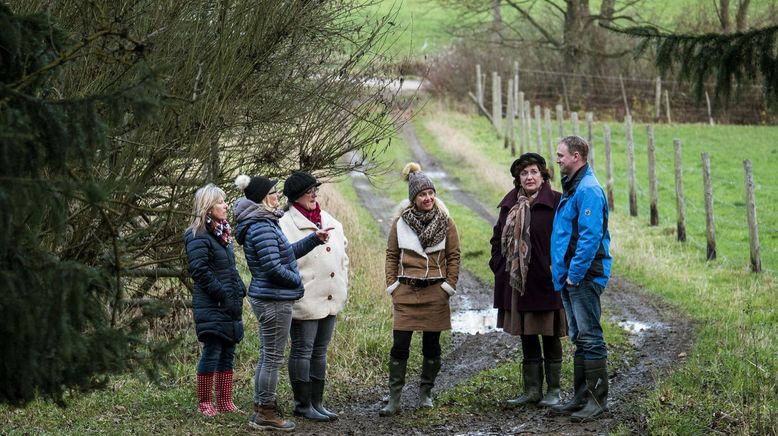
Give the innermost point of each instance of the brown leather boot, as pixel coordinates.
(266, 418)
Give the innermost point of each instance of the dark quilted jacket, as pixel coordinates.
(271, 258)
(217, 297)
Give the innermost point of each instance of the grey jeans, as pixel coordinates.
(274, 319)
(308, 358)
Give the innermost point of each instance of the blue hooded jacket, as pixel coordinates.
(580, 240)
(270, 256)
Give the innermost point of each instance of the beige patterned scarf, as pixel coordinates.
(516, 246)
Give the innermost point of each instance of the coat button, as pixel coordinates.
(329, 248)
(329, 297)
(332, 274)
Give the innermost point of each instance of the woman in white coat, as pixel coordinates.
(325, 277)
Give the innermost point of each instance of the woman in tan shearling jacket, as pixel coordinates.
(422, 269)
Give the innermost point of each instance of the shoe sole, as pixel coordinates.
(269, 427)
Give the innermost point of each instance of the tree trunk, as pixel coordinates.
(741, 19)
(496, 21)
(724, 16)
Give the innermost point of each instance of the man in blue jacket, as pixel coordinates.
(580, 267)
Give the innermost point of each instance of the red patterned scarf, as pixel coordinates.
(221, 230)
(313, 216)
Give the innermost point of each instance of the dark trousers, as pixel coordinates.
(401, 348)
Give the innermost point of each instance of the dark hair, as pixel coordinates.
(526, 160)
(577, 144)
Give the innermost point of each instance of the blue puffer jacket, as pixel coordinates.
(217, 297)
(270, 256)
(580, 240)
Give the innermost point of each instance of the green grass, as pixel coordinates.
(729, 381)
(422, 27)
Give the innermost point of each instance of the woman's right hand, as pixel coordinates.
(324, 234)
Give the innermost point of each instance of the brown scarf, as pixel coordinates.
(516, 247)
(431, 227)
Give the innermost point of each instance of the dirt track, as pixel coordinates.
(660, 334)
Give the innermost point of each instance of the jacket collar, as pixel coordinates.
(569, 183)
(300, 221)
(407, 239)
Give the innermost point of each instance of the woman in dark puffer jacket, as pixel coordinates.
(275, 286)
(217, 298)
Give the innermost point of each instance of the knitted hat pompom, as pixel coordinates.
(242, 181)
(410, 167)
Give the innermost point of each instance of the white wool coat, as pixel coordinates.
(324, 270)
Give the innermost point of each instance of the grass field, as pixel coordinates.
(728, 384)
(422, 27)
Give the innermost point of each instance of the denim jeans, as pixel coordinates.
(217, 356)
(274, 319)
(308, 358)
(582, 307)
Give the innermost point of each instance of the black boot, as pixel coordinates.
(532, 371)
(580, 392)
(302, 402)
(317, 396)
(597, 386)
(429, 371)
(396, 382)
(553, 371)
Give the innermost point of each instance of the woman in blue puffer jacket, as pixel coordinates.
(275, 286)
(217, 298)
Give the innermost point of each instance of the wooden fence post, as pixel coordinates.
(496, 103)
(753, 229)
(479, 85)
(510, 132)
(680, 202)
(549, 129)
(667, 107)
(633, 198)
(624, 96)
(576, 125)
(710, 114)
(560, 119)
(608, 165)
(516, 88)
(590, 137)
(527, 126)
(654, 220)
(658, 99)
(520, 114)
(710, 225)
(539, 130)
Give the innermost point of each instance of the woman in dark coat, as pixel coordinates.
(524, 295)
(217, 298)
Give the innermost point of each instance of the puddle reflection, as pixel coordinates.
(474, 321)
(635, 327)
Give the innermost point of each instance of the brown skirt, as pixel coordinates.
(421, 309)
(546, 323)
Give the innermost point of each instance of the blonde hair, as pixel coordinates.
(204, 199)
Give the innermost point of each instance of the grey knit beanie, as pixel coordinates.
(417, 180)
